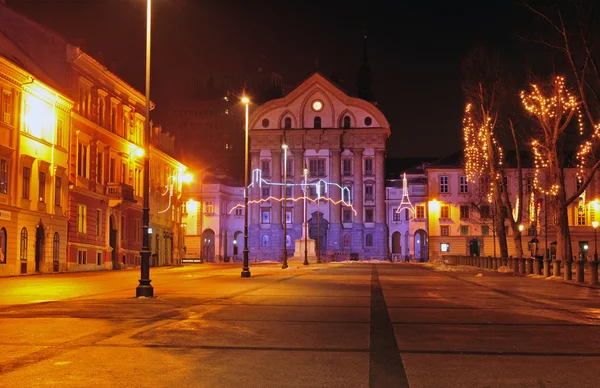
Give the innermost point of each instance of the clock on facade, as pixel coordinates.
(317, 105)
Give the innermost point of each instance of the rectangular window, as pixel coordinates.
(138, 182)
(7, 107)
(368, 166)
(445, 247)
(444, 187)
(464, 185)
(464, 211)
(396, 216)
(138, 230)
(239, 211)
(321, 167)
(529, 185)
(369, 215)
(123, 224)
(59, 132)
(289, 167)
(265, 216)
(266, 171)
(265, 192)
(82, 160)
(81, 257)
(420, 212)
(112, 170)
(484, 185)
(124, 172)
(98, 222)
(445, 211)
(99, 165)
(288, 217)
(464, 230)
(444, 230)
(26, 181)
(3, 176)
(81, 218)
(312, 167)
(347, 216)
(288, 191)
(42, 186)
(369, 193)
(99, 258)
(484, 211)
(57, 191)
(485, 230)
(580, 214)
(347, 170)
(210, 207)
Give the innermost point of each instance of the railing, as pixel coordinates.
(119, 192)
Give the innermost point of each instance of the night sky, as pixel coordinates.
(415, 50)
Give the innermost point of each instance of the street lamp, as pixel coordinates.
(285, 254)
(245, 269)
(305, 216)
(144, 289)
(595, 225)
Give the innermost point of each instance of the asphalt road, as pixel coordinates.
(348, 325)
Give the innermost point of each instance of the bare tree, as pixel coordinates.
(484, 155)
(572, 35)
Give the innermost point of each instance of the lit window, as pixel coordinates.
(265, 216)
(81, 218)
(444, 230)
(445, 247)
(26, 181)
(445, 211)
(42, 186)
(3, 176)
(24, 244)
(420, 212)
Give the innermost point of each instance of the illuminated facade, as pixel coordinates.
(34, 170)
(214, 232)
(167, 181)
(340, 140)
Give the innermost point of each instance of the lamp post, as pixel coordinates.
(285, 254)
(305, 216)
(144, 289)
(595, 225)
(245, 269)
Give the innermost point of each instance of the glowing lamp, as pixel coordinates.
(284, 146)
(245, 100)
(192, 206)
(585, 247)
(434, 205)
(139, 152)
(521, 227)
(595, 224)
(187, 177)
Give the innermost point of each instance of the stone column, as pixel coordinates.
(334, 240)
(380, 237)
(357, 201)
(297, 192)
(254, 192)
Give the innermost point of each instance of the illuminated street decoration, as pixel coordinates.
(405, 202)
(171, 183)
(320, 185)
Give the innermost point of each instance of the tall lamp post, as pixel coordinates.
(144, 289)
(245, 269)
(305, 216)
(285, 254)
(595, 225)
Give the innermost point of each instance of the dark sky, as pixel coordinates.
(415, 48)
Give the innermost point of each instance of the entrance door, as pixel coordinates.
(317, 230)
(39, 247)
(113, 242)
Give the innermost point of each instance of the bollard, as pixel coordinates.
(537, 266)
(509, 263)
(579, 266)
(495, 261)
(593, 272)
(530, 265)
(547, 268)
(523, 265)
(568, 268)
(515, 267)
(556, 267)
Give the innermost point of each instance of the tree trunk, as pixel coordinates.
(500, 230)
(518, 243)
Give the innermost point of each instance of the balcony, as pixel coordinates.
(118, 193)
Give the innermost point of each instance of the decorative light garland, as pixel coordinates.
(405, 202)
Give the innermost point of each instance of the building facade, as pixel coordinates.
(336, 149)
(34, 169)
(214, 222)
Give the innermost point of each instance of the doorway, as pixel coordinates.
(421, 245)
(317, 230)
(113, 241)
(208, 245)
(39, 247)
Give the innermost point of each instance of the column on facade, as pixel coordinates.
(254, 191)
(357, 192)
(379, 187)
(336, 193)
(298, 177)
(276, 189)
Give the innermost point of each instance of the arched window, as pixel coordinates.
(317, 122)
(347, 122)
(56, 248)
(2, 246)
(265, 241)
(369, 240)
(287, 123)
(346, 240)
(288, 240)
(24, 244)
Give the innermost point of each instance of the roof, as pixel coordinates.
(395, 167)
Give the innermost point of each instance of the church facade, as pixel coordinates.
(335, 149)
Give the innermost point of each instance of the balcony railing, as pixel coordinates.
(118, 193)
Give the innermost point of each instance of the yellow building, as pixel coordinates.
(34, 135)
(167, 180)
